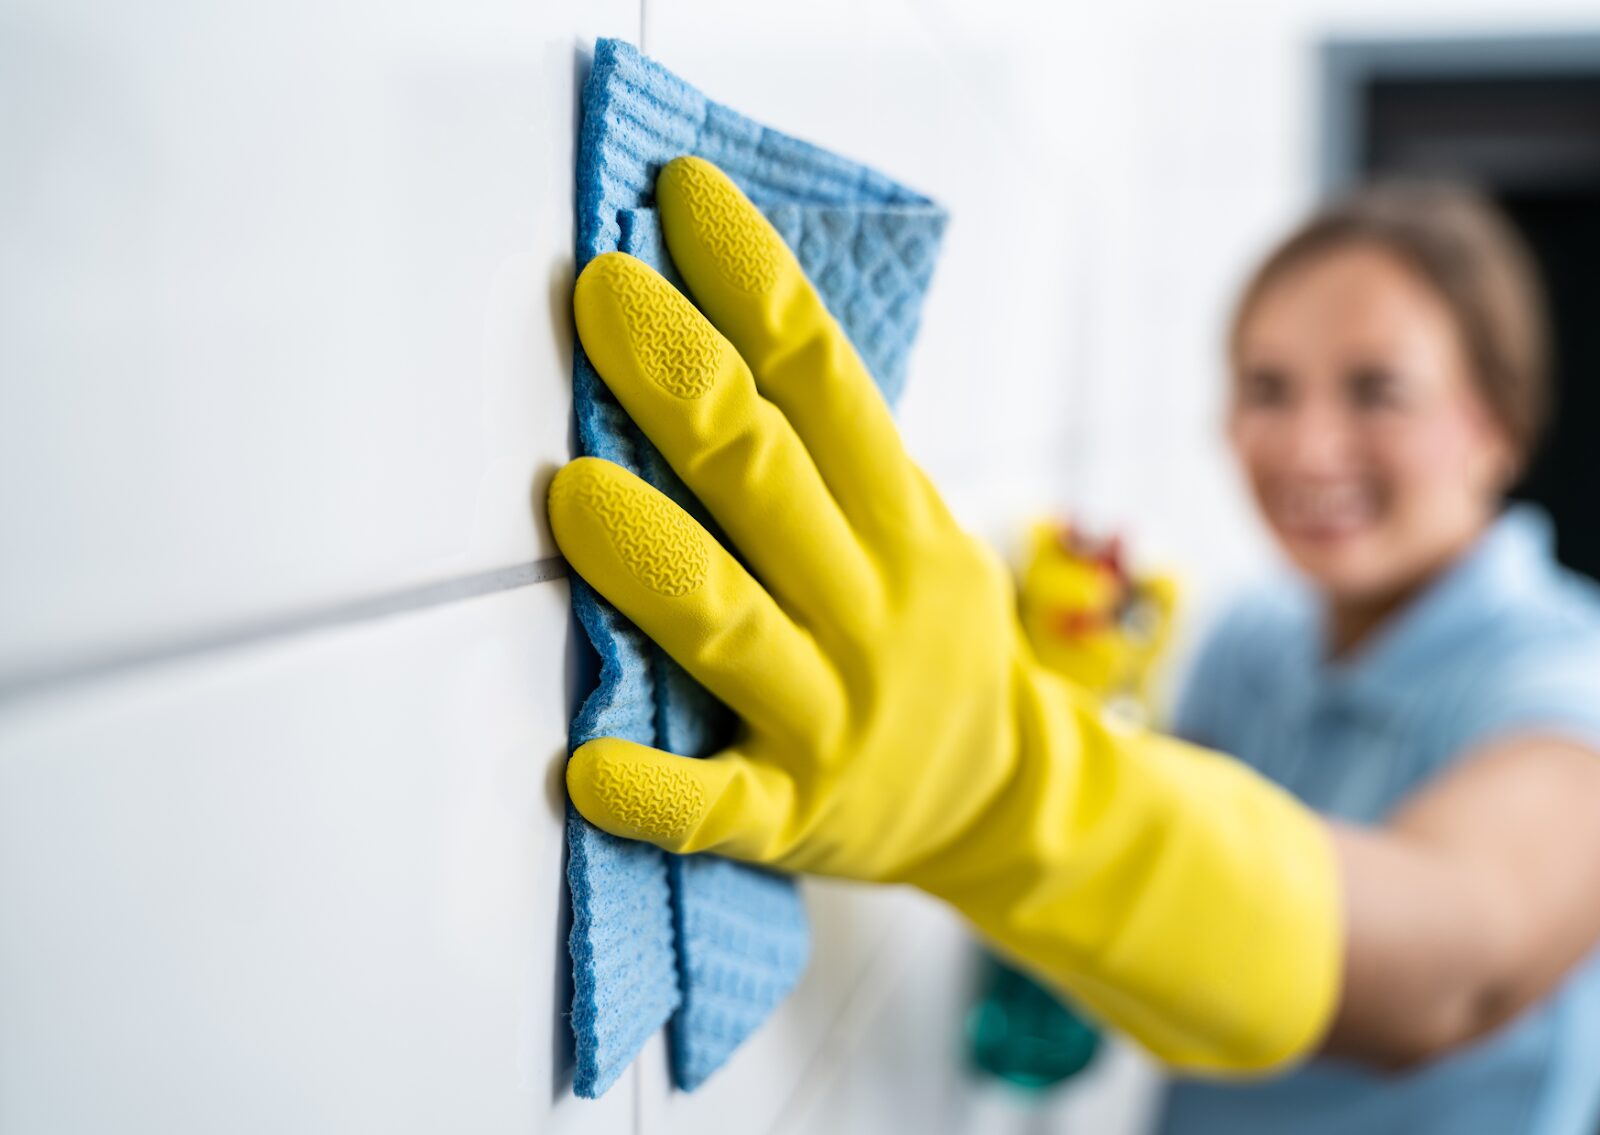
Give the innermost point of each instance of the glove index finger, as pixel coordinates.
(682, 588)
(748, 281)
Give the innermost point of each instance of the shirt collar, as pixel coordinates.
(1509, 559)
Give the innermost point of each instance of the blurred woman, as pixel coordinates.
(1430, 675)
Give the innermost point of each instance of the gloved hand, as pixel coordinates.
(896, 726)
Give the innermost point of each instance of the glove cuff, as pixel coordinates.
(1165, 888)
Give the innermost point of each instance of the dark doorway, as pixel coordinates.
(1520, 119)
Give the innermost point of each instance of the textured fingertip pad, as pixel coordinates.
(653, 538)
(742, 244)
(649, 799)
(673, 345)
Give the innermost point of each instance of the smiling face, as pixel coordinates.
(1368, 448)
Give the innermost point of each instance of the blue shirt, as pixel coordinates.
(1504, 642)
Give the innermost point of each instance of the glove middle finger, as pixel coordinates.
(694, 397)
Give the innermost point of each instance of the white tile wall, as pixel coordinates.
(858, 940)
(283, 306)
(284, 343)
(308, 887)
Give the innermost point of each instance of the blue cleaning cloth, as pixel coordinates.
(711, 944)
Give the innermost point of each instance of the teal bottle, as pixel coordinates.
(1021, 1033)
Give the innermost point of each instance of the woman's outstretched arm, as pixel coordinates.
(1471, 903)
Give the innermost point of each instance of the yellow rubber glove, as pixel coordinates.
(896, 725)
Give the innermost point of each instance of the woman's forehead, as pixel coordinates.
(1354, 299)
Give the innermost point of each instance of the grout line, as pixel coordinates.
(51, 678)
(875, 982)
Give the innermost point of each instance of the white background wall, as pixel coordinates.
(285, 665)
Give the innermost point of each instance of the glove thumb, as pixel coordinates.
(728, 803)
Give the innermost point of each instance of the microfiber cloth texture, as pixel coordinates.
(705, 944)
